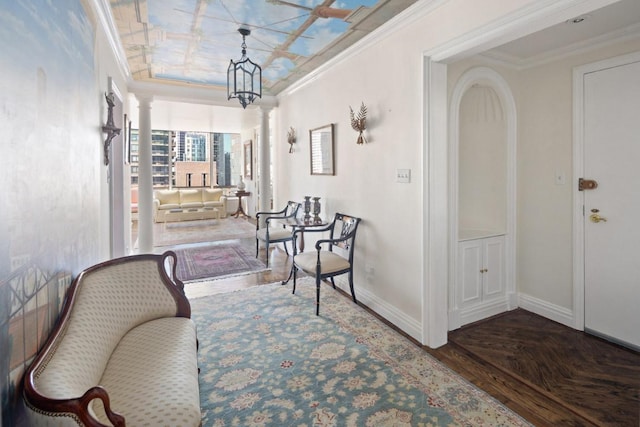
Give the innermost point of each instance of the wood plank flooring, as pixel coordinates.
(550, 374)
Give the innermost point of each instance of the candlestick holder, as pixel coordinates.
(316, 209)
(307, 208)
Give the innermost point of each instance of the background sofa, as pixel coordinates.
(188, 199)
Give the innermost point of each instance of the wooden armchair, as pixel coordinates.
(275, 234)
(325, 262)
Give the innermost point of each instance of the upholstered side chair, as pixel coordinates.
(271, 233)
(332, 257)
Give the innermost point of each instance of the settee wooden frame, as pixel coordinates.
(78, 408)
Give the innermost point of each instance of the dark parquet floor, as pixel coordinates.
(568, 377)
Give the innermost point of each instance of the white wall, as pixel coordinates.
(173, 115)
(387, 75)
(54, 213)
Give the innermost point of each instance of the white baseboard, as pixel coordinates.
(465, 316)
(406, 324)
(413, 328)
(546, 309)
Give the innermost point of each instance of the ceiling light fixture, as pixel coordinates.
(244, 77)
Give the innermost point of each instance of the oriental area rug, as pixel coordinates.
(266, 359)
(215, 261)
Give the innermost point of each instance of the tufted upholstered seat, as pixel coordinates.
(124, 351)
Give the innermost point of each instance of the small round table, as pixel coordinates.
(240, 211)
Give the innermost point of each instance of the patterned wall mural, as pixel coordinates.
(50, 196)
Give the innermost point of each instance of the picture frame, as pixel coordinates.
(248, 159)
(321, 142)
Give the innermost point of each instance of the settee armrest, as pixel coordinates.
(75, 408)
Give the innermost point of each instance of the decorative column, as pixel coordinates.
(145, 177)
(264, 159)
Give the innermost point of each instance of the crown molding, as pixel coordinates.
(629, 33)
(197, 94)
(524, 21)
(102, 9)
(408, 16)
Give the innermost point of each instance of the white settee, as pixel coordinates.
(188, 203)
(122, 353)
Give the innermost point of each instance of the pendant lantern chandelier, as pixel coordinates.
(244, 77)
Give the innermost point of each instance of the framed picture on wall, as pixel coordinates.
(248, 158)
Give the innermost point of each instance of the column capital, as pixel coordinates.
(143, 97)
(266, 109)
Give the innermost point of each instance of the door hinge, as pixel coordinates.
(587, 184)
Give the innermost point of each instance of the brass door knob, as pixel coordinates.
(594, 217)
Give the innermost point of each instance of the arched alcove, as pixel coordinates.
(482, 166)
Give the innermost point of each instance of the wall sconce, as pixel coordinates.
(358, 122)
(291, 138)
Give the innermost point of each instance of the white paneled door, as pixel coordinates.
(612, 209)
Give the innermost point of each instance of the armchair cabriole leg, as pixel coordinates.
(317, 295)
(267, 244)
(295, 270)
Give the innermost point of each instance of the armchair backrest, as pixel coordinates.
(344, 228)
(292, 209)
(289, 211)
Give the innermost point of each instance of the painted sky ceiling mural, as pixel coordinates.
(192, 41)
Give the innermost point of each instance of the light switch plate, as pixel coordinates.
(403, 175)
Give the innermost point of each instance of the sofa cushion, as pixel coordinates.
(191, 205)
(190, 196)
(218, 204)
(150, 382)
(211, 194)
(168, 206)
(168, 196)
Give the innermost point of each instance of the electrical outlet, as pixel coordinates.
(403, 175)
(370, 271)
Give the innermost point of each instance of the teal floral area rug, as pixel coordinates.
(266, 359)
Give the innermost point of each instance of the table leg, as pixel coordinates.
(301, 241)
(240, 210)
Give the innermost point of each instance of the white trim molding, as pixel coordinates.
(435, 206)
(546, 309)
(103, 10)
(390, 313)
